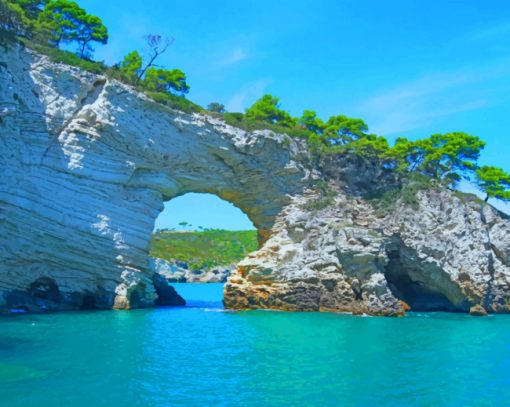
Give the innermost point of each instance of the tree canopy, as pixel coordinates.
(54, 22)
(167, 86)
(65, 21)
(341, 130)
(19, 16)
(89, 29)
(267, 109)
(130, 66)
(60, 21)
(165, 80)
(216, 107)
(494, 182)
(310, 121)
(446, 156)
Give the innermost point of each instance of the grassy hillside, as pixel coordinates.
(204, 249)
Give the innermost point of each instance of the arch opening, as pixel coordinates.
(197, 241)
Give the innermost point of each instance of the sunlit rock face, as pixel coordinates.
(86, 164)
(444, 253)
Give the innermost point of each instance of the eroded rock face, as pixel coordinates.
(86, 164)
(445, 254)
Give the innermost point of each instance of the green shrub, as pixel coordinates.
(468, 197)
(321, 203)
(234, 119)
(241, 121)
(326, 196)
(414, 183)
(385, 203)
(175, 102)
(66, 57)
(204, 249)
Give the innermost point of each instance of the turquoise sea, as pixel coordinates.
(201, 355)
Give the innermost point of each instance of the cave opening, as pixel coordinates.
(197, 241)
(418, 292)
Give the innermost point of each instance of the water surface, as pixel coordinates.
(202, 356)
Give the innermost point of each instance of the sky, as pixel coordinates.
(202, 210)
(407, 67)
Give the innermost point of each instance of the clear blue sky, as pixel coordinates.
(407, 67)
(204, 210)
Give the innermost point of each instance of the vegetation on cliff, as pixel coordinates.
(46, 25)
(53, 23)
(204, 249)
(441, 158)
(494, 181)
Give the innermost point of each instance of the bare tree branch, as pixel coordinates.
(157, 46)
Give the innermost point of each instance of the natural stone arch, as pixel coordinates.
(218, 229)
(86, 163)
(96, 160)
(256, 172)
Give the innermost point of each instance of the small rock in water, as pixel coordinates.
(478, 311)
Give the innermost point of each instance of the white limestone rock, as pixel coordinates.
(443, 255)
(86, 164)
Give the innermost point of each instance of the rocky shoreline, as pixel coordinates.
(86, 164)
(179, 272)
(446, 254)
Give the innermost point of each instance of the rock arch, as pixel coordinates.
(90, 163)
(86, 163)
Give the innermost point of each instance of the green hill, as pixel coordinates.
(204, 249)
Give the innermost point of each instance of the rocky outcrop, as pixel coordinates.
(86, 164)
(442, 254)
(166, 293)
(179, 272)
(478, 311)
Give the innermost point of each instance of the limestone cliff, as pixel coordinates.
(447, 254)
(86, 164)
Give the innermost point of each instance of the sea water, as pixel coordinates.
(202, 355)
